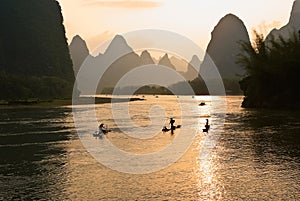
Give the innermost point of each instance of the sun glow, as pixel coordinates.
(96, 21)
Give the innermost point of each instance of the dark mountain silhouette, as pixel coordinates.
(184, 68)
(292, 26)
(272, 66)
(179, 64)
(223, 47)
(193, 68)
(117, 60)
(195, 62)
(118, 47)
(33, 41)
(165, 61)
(146, 58)
(125, 59)
(35, 59)
(79, 52)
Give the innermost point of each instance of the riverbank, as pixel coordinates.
(63, 102)
(276, 102)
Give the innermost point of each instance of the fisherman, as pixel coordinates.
(207, 125)
(101, 128)
(172, 121)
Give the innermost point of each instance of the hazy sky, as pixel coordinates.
(98, 20)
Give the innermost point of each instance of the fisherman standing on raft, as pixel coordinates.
(172, 121)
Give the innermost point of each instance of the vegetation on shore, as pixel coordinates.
(34, 102)
(273, 68)
(34, 57)
(16, 87)
(198, 86)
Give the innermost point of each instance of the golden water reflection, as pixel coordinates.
(252, 155)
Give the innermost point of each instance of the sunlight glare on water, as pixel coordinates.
(251, 155)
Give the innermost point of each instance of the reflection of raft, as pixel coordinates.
(206, 128)
(100, 133)
(165, 129)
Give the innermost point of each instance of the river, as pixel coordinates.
(250, 154)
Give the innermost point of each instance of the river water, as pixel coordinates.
(247, 154)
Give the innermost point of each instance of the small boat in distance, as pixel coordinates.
(202, 104)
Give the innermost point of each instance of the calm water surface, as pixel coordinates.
(253, 154)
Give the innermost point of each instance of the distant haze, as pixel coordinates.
(195, 19)
(88, 68)
(292, 26)
(144, 47)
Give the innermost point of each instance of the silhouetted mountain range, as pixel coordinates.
(165, 61)
(179, 64)
(123, 59)
(187, 69)
(222, 51)
(292, 26)
(116, 61)
(146, 58)
(191, 72)
(35, 59)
